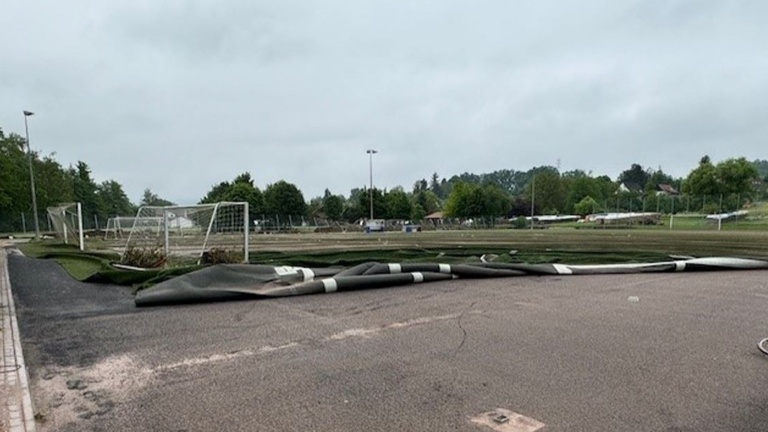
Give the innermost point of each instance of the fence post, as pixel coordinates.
(80, 226)
(167, 239)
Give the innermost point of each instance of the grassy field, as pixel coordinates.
(556, 244)
(555, 239)
(597, 242)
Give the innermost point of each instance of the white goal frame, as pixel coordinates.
(68, 224)
(169, 223)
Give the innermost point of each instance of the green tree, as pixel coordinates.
(635, 177)
(85, 190)
(460, 202)
(702, 180)
(586, 206)
(496, 202)
(15, 195)
(420, 185)
(736, 176)
(150, 198)
(315, 206)
(52, 183)
(241, 189)
(113, 200)
(398, 204)
(380, 210)
(427, 200)
(353, 209)
(731, 176)
(333, 205)
(436, 186)
(578, 185)
(762, 168)
(418, 213)
(284, 199)
(505, 179)
(472, 200)
(216, 194)
(547, 192)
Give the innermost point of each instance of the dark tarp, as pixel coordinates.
(244, 281)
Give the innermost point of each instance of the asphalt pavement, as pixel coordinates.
(664, 352)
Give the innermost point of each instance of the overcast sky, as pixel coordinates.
(179, 95)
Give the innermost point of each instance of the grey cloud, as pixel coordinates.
(178, 96)
(206, 33)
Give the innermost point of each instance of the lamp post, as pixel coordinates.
(533, 200)
(31, 175)
(371, 152)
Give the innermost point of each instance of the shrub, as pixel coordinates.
(520, 222)
(149, 257)
(221, 256)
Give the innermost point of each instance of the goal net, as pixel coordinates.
(192, 231)
(119, 227)
(67, 222)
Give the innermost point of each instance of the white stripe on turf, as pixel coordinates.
(562, 269)
(308, 274)
(330, 285)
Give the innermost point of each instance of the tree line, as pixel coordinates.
(709, 187)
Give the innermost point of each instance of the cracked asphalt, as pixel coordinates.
(576, 353)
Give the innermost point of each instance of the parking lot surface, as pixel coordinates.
(664, 352)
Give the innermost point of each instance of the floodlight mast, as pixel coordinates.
(371, 152)
(31, 175)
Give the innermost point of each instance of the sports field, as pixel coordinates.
(596, 241)
(553, 245)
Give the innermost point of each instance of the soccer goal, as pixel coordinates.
(67, 221)
(192, 231)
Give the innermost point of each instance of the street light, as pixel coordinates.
(371, 152)
(31, 175)
(533, 200)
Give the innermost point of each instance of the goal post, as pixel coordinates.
(194, 230)
(67, 222)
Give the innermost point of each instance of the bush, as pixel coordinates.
(586, 206)
(221, 256)
(711, 208)
(149, 257)
(520, 222)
